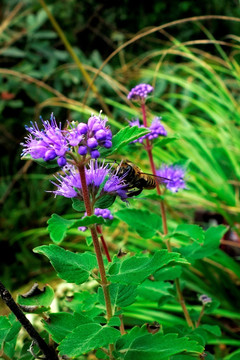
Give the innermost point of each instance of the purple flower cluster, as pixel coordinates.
(97, 176)
(140, 92)
(47, 143)
(156, 129)
(96, 134)
(53, 142)
(175, 175)
(105, 213)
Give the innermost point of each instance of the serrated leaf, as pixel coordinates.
(9, 329)
(57, 227)
(72, 267)
(105, 202)
(86, 338)
(59, 325)
(138, 344)
(154, 290)
(168, 273)
(114, 321)
(144, 222)
(121, 295)
(212, 329)
(210, 245)
(78, 205)
(84, 302)
(38, 302)
(194, 232)
(135, 270)
(124, 137)
(5, 326)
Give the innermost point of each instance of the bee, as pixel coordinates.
(137, 180)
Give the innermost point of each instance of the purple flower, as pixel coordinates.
(95, 134)
(205, 299)
(105, 213)
(140, 92)
(156, 128)
(47, 143)
(52, 142)
(175, 174)
(97, 176)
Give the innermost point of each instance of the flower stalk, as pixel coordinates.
(104, 282)
(104, 244)
(148, 148)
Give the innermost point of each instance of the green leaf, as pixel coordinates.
(138, 344)
(59, 325)
(121, 295)
(58, 226)
(166, 140)
(168, 273)
(9, 329)
(85, 338)
(46, 164)
(233, 356)
(122, 138)
(78, 205)
(105, 201)
(74, 268)
(84, 302)
(5, 327)
(210, 245)
(38, 301)
(194, 232)
(144, 222)
(212, 329)
(154, 290)
(134, 270)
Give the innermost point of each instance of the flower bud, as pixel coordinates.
(92, 143)
(100, 135)
(49, 155)
(61, 161)
(82, 128)
(95, 154)
(82, 150)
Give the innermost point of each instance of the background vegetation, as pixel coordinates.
(194, 67)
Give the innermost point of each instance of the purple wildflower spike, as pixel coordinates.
(70, 185)
(140, 92)
(157, 129)
(175, 174)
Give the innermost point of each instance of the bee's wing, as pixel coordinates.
(158, 179)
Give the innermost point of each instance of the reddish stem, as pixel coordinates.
(148, 147)
(104, 244)
(96, 244)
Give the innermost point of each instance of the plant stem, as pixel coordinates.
(48, 351)
(104, 244)
(200, 316)
(148, 147)
(96, 244)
